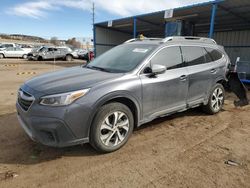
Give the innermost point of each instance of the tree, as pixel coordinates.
(73, 42)
(55, 41)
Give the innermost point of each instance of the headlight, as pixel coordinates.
(63, 98)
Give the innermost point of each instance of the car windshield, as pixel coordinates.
(123, 58)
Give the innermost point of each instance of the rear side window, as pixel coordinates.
(7, 45)
(208, 57)
(215, 54)
(169, 57)
(193, 55)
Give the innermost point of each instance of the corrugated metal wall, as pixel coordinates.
(108, 38)
(236, 43)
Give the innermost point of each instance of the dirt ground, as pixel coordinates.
(188, 149)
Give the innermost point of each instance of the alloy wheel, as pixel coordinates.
(114, 129)
(217, 99)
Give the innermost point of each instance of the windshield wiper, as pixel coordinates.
(98, 68)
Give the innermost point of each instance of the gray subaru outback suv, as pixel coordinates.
(131, 84)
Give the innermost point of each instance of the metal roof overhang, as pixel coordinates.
(231, 15)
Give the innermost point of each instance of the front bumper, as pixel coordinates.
(31, 57)
(49, 131)
(57, 127)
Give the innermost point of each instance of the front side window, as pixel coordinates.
(43, 49)
(169, 57)
(123, 58)
(193, 55)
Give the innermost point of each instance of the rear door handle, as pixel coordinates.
(183, 78)
(213, 71)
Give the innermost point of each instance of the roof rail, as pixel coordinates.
(188, 38)
(142, 39)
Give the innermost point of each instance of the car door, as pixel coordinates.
(166, 92)
(199, 73)
(50, 54)
(9, 52)
(19, 52)
(60, 53)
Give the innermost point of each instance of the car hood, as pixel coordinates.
(69, 79)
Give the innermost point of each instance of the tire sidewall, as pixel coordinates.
(1, 56)
(211, 109)
(25, 56)
(102, 113)
(69, 58)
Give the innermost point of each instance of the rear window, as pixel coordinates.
(215, 54)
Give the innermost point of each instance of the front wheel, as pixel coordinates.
(40, 58)
(216, 100)
(111, 128)
(1, 56)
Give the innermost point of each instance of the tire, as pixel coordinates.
(25, 56)
(106, 135)
(40, 58)
(69, 58)
(216, 100)
(1, 56)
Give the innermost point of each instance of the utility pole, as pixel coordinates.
(93, 15)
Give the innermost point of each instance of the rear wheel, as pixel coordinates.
(25, 56)
(1, 56)
(216, 100)
(69, 58)
(111, 128)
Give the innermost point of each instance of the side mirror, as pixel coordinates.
(158, 69)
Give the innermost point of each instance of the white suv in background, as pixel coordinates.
(14, 52)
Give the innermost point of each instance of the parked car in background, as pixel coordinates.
(78, 53)
(49, 53)
(14, 52)
(25, 46)
(87, 56)
(122, 89)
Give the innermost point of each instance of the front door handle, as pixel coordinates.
(183, 78)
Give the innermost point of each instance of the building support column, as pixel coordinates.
(135, 30)
(213, 14)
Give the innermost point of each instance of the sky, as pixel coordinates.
(72, 18)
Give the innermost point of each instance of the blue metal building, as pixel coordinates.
(227, 21)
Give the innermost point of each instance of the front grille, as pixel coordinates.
(25, 100)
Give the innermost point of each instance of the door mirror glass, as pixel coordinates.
(158, 69)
